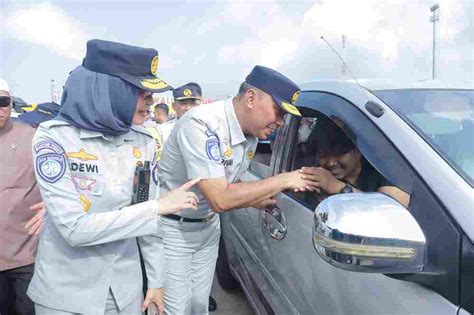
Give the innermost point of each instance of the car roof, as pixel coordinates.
(391, 84)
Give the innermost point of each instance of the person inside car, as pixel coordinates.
(342, 168)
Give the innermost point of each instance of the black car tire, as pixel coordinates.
(224, 275)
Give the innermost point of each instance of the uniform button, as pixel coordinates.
(113, 153)
(116, 182)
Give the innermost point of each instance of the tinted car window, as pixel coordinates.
(444, 118)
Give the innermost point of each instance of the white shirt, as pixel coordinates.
(207, 142)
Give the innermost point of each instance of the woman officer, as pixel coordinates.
(85, 160)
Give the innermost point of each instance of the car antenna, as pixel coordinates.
(343, 62)
(372, 107)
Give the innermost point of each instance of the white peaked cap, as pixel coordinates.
(4, 86)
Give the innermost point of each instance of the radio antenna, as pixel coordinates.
(343, 62)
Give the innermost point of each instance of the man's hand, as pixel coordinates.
(295, 181)
(323, 179)
(35, 224)
(154, 295)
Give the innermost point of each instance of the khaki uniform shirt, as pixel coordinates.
(206, 142)
(89, 241)
(18, 192)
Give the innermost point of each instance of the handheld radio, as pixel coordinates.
(141, 182)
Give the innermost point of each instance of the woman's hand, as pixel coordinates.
(154, 295)
(178, 199)
(35, 224)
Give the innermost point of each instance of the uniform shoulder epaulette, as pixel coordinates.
(141, 129)
(53, 123)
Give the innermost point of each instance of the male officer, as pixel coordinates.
(185, 98)
(18, 194)
(217, 142)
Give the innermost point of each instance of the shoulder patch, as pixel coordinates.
(53, 123)
(50, 162)
(212, 149)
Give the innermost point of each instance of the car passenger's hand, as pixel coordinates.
(35, 224)
(154, 295)
(323, 179)
(178, 199)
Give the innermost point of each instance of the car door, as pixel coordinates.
(243, 237)
(311, 286)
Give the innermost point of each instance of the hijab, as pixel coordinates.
(98, 102)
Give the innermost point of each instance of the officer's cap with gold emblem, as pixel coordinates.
(135, 65)
(284, 91)
(190, 90)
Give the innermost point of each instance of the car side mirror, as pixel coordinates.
(368, 232)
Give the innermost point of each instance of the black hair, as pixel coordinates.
(163, 107)
(327, 137)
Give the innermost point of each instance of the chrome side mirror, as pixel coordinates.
(368, 232)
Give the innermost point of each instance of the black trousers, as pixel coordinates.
(13, 286)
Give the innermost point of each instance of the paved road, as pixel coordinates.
(230, 303)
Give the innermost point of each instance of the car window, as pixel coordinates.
(444, 118)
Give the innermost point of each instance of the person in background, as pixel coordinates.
(184, 98)
(159, 126)
(161, 113)
(43, 112)
(19, 195)
(97, 217)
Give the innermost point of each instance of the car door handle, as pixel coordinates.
(274, 221)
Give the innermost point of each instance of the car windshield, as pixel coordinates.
(444, 118)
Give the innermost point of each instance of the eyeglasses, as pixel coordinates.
(5, 101)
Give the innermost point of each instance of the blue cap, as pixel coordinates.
(284, 91)
(190, 90)
(42, 112)
(135, 65)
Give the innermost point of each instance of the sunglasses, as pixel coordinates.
(5, 101)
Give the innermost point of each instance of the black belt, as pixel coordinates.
(183, 219)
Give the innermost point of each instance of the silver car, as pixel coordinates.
(364, 253)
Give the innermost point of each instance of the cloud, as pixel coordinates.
(272, 42)
(388, 38)
(47, 25)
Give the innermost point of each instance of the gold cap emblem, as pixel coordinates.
(295, 97)
(154, 65)
(187, 92)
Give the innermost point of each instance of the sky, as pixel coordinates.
(217, 43)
